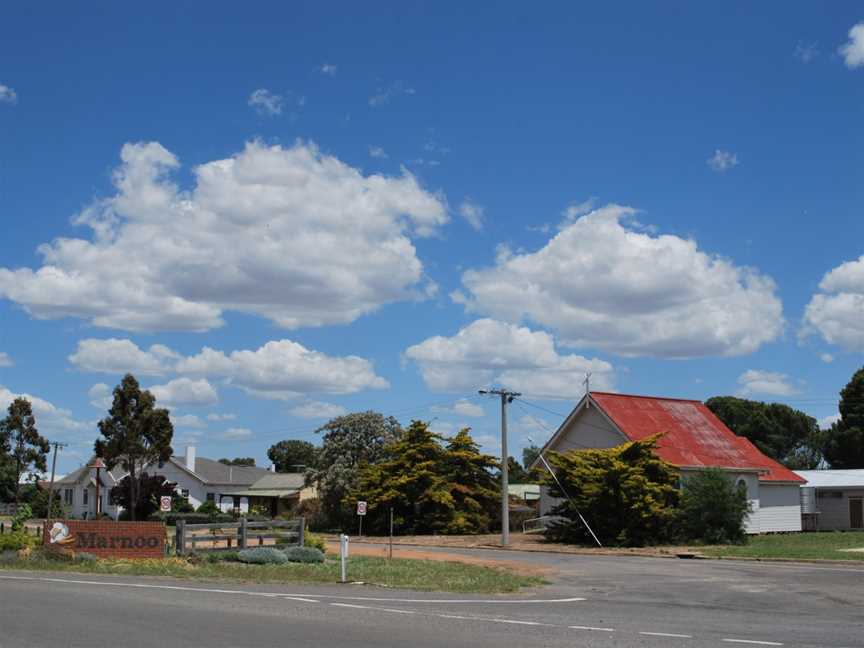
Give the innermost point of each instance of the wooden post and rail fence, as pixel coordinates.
(237, 535)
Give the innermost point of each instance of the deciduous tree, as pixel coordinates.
(145, 500)
(713, 508)
(349, 442)
(238, 461)
(781, 432)
(135, 434)
(290, 454)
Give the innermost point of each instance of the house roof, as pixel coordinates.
(76, 475)
(693, 436)
(833, 478)
(274, 485)
(213, 472)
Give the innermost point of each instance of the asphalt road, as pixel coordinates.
(593, 601)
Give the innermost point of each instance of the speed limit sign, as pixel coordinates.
(361, 508)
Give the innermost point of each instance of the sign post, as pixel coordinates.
(343, 555)
(361, 513)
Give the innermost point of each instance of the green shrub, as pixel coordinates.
(223, 556)
(316, 541)
(627, 494)
(208, 508)
(304, 555)
(262, 556)
(24, 513)
(84, 557)
(17, 540)
(172, 518)
(713, 508)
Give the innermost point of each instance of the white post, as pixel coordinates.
(343, 555)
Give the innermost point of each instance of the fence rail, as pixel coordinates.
(237, 535)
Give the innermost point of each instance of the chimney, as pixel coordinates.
(190, 457)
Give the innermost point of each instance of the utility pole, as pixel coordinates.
(57, 445)
(506, 397)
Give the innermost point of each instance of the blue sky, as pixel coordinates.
(275, 214)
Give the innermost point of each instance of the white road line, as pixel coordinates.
(753, 641)
(300, 598)
(666, 634)
(394, 610)
(208, 590)
(592, 628)
(349, 605)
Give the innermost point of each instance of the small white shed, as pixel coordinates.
(832, 499)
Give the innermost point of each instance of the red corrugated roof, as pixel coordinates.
(692, 434)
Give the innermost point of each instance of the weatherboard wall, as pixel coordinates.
(779, 508)
(833, 510)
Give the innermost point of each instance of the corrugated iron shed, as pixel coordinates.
(692, 435)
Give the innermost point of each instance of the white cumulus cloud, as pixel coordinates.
(289, 234)
(836, 312)
(601, 283)
(265, 102)
(236, 434)
(328, 69)
(120, 356)
(769, 383)
(472, 213)
(722, 161)
(853, 50)
(5, 359)
(378, 152)
(50, 419)
(185, 391)
(188, 421)
(101, 396)
(490, 352)
(221, 417)
(284, 370)
(317, 410)
(8, 95)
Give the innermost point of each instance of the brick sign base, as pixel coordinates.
(108, 539)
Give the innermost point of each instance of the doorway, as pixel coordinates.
(856, 513)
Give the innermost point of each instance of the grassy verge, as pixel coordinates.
(796, 546)
(423, 575)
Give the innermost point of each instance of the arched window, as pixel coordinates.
(742, 486)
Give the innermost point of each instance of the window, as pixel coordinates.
(742, 486)
(68, 496)
(86, 496)
(211, 497)
(184, 492)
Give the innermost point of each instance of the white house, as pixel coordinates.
(77, 490)
(693, 439)
(198, 479)
(832, 499)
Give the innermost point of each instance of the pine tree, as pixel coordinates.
(844, 442)
(472, 484)
(410, 480)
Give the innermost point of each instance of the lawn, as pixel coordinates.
(826, 545)
(422, 575)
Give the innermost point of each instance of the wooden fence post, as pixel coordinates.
(244, 537)
(301, 532)
(180, 539)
